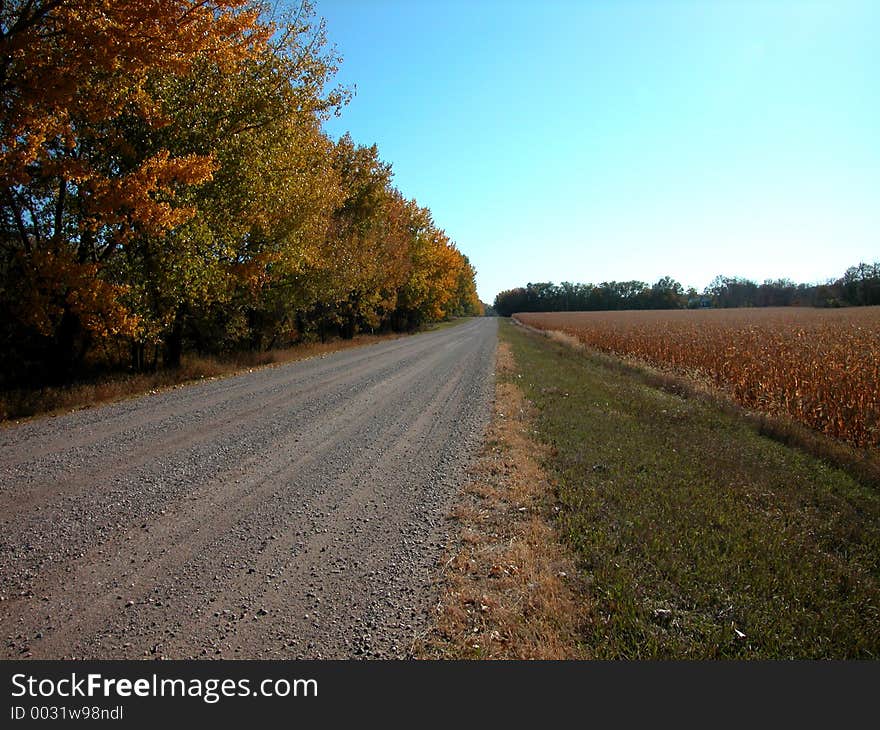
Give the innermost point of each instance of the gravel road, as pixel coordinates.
(291, 512)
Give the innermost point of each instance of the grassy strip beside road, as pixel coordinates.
(695, 536)
(445, 324)
(506, 588)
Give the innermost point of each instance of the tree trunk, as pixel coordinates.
(174, 342)
(68, 348)
(138, 356)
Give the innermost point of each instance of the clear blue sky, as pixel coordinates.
(618, 139)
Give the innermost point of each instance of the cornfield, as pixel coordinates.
(818, 366)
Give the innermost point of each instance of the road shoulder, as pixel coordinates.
(507, 584)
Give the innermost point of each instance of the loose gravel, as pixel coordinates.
(291, 512)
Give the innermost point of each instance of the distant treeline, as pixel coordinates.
(859, 286)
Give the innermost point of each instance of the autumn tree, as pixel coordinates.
(466, 302)
(72, 193)
(432, 281)
(165, 182)
(227, 276)
(367, 256)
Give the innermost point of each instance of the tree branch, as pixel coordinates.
(59, 211)
(19, 222)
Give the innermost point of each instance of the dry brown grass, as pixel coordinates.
(508, 587)
(24, 403)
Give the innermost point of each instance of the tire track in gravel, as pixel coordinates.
(235, 550)
(351, 493)
(171, 431)
(17, 545)
(185, 529)
(167, 407)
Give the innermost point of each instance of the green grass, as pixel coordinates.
(695, 536)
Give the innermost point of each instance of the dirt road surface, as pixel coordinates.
(296, 511)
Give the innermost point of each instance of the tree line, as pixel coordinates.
(859, 286)
(166, 184)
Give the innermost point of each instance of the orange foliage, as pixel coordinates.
(58, 283)
(136, 198)
(75, 75)
(88, 60)
(164, 175)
